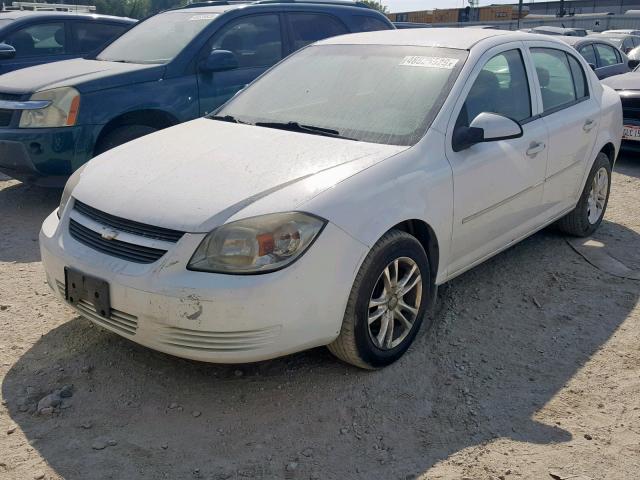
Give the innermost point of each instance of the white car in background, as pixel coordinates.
(325, 203)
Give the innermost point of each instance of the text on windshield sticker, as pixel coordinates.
(429, 62)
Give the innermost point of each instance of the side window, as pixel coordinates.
(368, 24)
(307, 28)
(579, 78)
(255, 40)
(501, 87)
(36, 40)
(589, 55)
(627, 44)
(607, 55)
(90, 36)
(636, 41)
(554, 76)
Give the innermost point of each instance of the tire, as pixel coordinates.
(358, 342)
(582, 221)
(122, 135)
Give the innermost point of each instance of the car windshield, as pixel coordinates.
(158, 39)
(371, 93)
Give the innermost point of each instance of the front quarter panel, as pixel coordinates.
(415, 184)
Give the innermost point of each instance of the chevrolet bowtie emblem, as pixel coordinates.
(108, 234)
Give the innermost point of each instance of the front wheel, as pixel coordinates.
(583, 220)
(387, 303)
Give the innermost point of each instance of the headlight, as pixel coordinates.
(62, 110)
(257, 245)
(68, 189)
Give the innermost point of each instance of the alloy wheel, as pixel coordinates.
(597, 195)
(394, 303)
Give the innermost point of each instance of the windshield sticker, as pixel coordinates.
(429, 62)
(209, 16)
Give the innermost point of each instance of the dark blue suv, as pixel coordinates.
(32, 38)
(170, 68)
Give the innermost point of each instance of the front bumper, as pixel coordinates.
(44, 156)
(212, 317)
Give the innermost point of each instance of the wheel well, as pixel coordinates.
(151, 118)
(427, 237)
(610, 151)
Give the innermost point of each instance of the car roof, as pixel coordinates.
(458, 38)
(26, 14)
(549, 28)
(225, 6)
(573, 41)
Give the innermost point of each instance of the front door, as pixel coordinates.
(256, 41)
(37, 44)
(497, 185)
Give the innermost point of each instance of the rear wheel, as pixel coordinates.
(121, 135)
(387, 303)
(589, 212)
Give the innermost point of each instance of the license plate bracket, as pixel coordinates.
(79, 286)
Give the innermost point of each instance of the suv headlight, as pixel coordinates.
(62, 110)
(258, 244)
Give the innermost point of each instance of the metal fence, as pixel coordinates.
(588, 22)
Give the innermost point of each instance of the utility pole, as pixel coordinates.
(519, 13)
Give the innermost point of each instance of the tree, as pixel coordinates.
(375, 5)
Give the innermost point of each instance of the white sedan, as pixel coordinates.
(325, 203)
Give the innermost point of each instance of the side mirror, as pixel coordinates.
(6, 51)
(486, 127)
(633, 64)
(219, 61)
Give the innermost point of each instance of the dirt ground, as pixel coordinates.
(532, 372)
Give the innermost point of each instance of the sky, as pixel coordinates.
(410, 5)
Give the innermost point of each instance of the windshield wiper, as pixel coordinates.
(227, 118)
(312, 129)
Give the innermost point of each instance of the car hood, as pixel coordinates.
(626, 81)
(84, 75)
(195, 176)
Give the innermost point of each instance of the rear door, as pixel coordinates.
(257, 42)
(609, 61)
(308, 27)
(571, 114)
(91, 36)
(38, 43)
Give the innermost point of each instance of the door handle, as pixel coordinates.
(535, 148)
(588, 125)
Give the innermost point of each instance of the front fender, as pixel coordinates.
(416, 184)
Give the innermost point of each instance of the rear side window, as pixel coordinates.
(556, 78)
(589, 55)
(90, 36)
(38, 40)
(501, 87)
(579, 78)
(255, 40)
(368, 24)
(307, 28)
(607, 55)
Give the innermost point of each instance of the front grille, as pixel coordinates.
(202, 340)
(116, 248)
(119, 321)
(129, 226)
(7, 115)
(631, 107)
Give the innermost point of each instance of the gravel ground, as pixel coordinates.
(530, 373)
